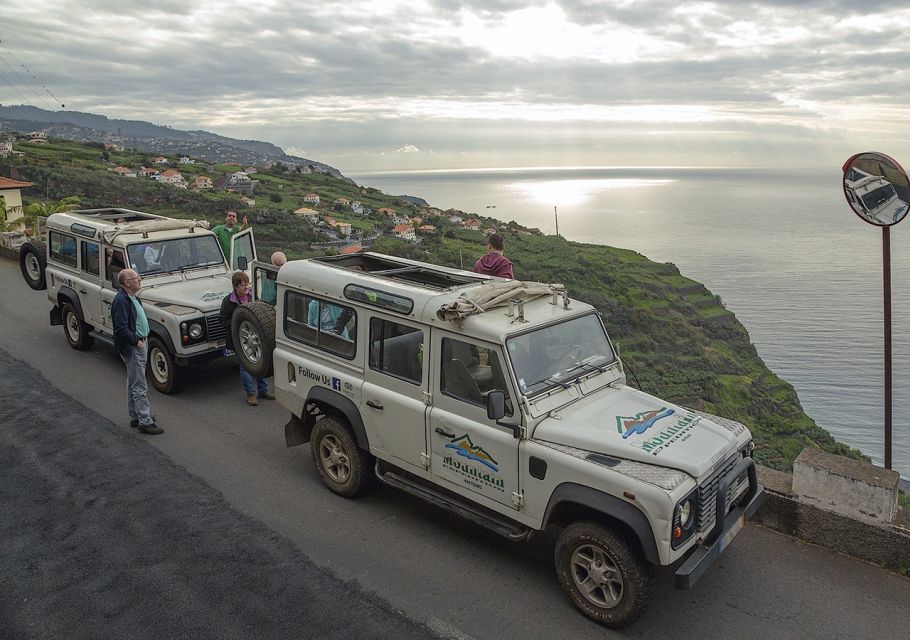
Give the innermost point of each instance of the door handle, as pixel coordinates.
(83, 291)
(374, 405)
(445, 431)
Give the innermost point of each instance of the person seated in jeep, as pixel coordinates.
(328, 317)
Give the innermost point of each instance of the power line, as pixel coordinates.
(29, 72)
(24, 99)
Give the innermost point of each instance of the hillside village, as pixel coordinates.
(340, 215)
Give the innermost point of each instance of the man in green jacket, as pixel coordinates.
(225, 231)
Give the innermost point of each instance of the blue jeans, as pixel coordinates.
(137, 402)
(252, 385)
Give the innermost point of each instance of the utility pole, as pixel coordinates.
(555, 215)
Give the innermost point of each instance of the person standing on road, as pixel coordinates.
(494, 263)
(226, 231)
(131, 328)
(254, 387)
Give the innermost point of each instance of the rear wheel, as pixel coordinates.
(32, 263)
(161, 369)
(75, 330)
(603, 574)
(253, 333)
(343, 467)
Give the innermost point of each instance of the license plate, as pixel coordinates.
(728, 536)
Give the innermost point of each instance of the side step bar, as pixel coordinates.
(488, 519)
(103, 337)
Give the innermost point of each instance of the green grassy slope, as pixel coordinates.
(677, 337)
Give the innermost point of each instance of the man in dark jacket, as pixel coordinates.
(494, 263)
(131, 328)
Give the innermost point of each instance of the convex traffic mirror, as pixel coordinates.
(877, 188)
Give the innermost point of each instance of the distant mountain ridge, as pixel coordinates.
(148, 137)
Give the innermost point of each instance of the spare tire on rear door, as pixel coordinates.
(253, 333)
(33, 262)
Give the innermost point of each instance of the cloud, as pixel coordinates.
(347, 80)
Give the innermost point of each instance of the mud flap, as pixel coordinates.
(56, 317)
(295, 432)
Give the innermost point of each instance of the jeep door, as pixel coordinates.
(242, 245)
(113, 263)
(468, 449)
(89, 284)
(395, 383)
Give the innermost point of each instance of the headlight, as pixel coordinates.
(685, 516)
(195, 331)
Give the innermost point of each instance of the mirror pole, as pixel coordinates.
(886, 282)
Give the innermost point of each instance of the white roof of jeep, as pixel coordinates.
(133, 225)
(430, 287)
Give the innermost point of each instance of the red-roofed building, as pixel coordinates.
(9, 191)
(471, 223)
(404, 231)
(311, 198)
(350, 248)
(427, 228)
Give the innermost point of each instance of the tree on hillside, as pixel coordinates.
(38, 209)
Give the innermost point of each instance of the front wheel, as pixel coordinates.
(75, 330)
(603, 574)
(161, 369)
(343, 467)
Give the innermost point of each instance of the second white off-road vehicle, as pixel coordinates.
(184, 278)
(506, 403)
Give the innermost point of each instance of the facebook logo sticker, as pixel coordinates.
(336, 384)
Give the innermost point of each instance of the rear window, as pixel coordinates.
(326, 325)
(62, 248)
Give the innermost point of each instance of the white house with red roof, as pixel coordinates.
(173, 177)
(160, 160)
(12, 198)
(202, 183)
(472, 224)
(311, 198)
(147, 172)
(427, 228)
(404, 231)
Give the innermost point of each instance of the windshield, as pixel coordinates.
(559, 354)
(165, 256)
(880, 196)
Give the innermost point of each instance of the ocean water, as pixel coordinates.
(798, 268)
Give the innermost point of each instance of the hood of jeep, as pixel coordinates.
(629, 424)
(204, 294)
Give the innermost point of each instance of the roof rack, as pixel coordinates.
(113, 214)
(419, 273)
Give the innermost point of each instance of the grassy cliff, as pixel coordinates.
(677, 339)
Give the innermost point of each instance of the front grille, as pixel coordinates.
(214, 330)
(707, 494)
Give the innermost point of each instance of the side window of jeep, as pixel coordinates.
(396, 350)
(320, 323)
(470, 371)
(62, 248)
(90, 258)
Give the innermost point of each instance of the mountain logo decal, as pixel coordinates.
(463, 446)
(641, 422)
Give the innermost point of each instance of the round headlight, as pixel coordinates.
(684, 514)
(195, 331)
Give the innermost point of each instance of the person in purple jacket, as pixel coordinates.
(494, 263)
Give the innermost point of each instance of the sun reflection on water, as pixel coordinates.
(574, 192)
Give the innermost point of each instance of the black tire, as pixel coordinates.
(343, 467)
(161, 369)
(603, 575)
(74, 328)
(33, 264)
(253, 333)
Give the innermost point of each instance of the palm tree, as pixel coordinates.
(43, 209)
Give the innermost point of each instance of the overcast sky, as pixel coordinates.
(392, 85)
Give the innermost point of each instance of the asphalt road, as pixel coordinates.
(395, 551)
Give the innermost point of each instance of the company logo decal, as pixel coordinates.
(641, 422)
(463, 446)
(472, 475)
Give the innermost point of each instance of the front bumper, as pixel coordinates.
(724, 529)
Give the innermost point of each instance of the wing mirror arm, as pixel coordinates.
(496, 410)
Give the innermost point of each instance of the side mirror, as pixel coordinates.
(115, 278)
(616, 348)
(242, 263)
(496, 405)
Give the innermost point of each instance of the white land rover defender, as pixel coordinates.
(506, 403)
(184, 278)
